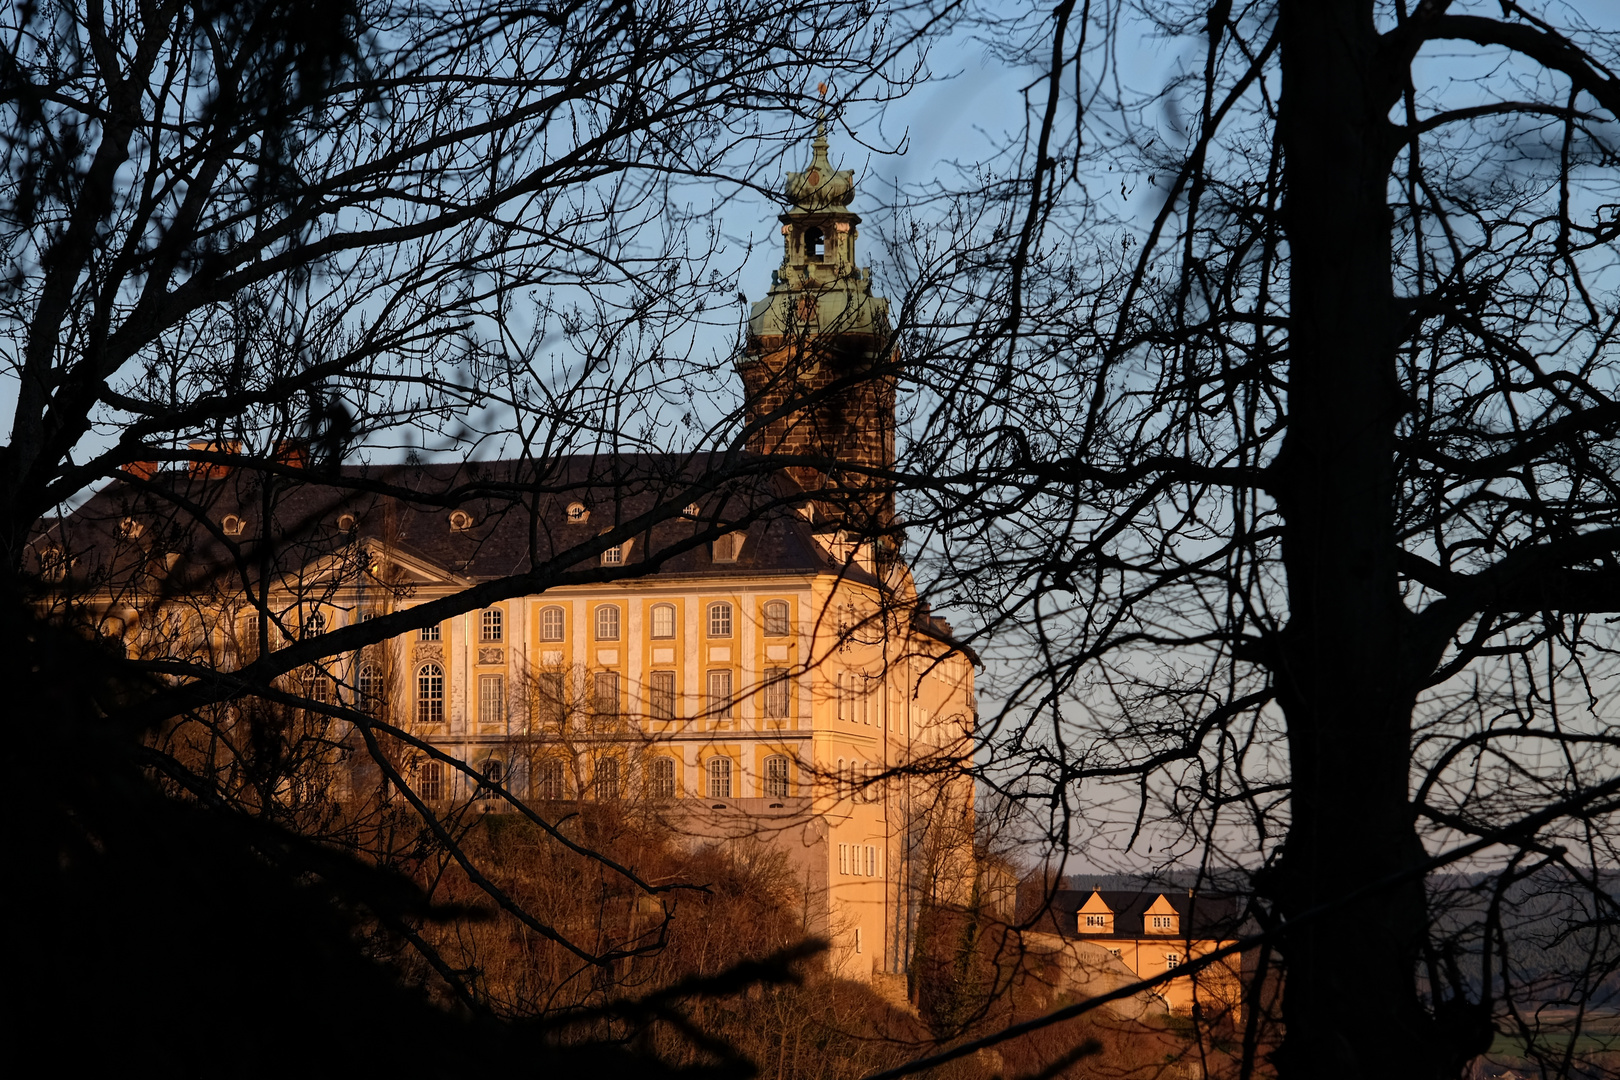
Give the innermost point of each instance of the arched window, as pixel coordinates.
(776, 777)
(607, 778)
(369, 684)
(814, 244)
(230, 525)
(429, 694)
(607, 623)
(776, 619)
(550, 784)
(663, 620)
(551, 624)
(489, 628)
(314, 624)
(719, 778)
(720, 620)
(663, 778)
(460, 521)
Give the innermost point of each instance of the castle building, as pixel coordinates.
(1117, 936)
(747, 652)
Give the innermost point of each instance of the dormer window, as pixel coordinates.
(1162, 923)
(346, 522)
(693, 510)
(460, 521)
(231, 525)
(577, 514)
(614, 556)
(130, 528)
(1096, 922)
(725, 549)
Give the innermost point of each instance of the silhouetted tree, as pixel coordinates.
(265, 238)
(1270, 418)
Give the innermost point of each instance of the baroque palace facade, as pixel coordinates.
(756, 664)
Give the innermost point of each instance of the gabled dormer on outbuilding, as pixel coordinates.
(1095, 916)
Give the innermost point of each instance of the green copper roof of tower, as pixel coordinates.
(818, 289)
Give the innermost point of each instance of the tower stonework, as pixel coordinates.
(818, 366)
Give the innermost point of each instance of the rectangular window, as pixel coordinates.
(663, 778)
(1100, 921)
(551, 780)
(613, 556)
(607, 693)
(1172, 960)
(661, 695)
(776, 693)
(551, 704)
(843, 858)
(871, 861)
(491, 626)
(430, 633)
(492, 699)
(843, 696)
(720, 695)
(431, 782)
(776, 777)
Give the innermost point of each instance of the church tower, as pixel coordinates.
(818, 366)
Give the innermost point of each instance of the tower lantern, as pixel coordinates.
(818, 366)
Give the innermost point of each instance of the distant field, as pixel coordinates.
(1599, 1033)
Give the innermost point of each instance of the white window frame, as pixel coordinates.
(553, 623)
(721, 693)
(607, 622)
(777, 693)
(430, 694)
(777, 784)
(720, 619)
(663, 777)
(719, 776)
(660, 613)
(492, 699)
(604, 702)
(661, 695)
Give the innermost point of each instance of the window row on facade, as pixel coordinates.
(552, 701)
(860, 860)
(551, 779)
(607, 622)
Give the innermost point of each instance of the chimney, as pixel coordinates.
(211, 470)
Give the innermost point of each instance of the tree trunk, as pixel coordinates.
(1351, 1007)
